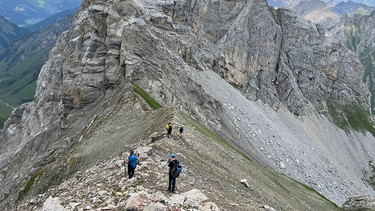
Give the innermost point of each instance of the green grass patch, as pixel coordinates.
(367, 62)
(149, 100)
(4, 114)
(2, 121)
(73, 162)
(29, 184)
(18, 83)
(351, 116)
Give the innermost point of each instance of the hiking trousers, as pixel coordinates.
(130, 171)
(172, 183)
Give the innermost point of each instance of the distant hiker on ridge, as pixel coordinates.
(132, 162)
(169, 129)
(181, 130)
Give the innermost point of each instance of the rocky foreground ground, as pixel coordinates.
(106, 186)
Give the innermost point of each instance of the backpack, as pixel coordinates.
(167, 126)
(176, 170)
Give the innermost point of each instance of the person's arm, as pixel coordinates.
(171, 164)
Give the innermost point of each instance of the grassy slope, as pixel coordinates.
(18, 85)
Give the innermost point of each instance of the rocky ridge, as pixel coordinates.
(232, 183)
(105, 186)
(183, 54)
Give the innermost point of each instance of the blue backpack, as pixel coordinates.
(176, 170)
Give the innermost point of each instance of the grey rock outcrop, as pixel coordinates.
(360, 203)
(169, 48)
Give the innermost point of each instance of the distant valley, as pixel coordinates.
(22, 59)
(27, 13)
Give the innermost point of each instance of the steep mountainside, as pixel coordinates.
(52, 19)
(21, 63)
(359, 35)
(9, 33)
(328, 15)
(351, 8)
(318, 12)
(264, 80)
(349, 5)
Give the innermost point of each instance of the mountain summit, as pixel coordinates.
(261, 93)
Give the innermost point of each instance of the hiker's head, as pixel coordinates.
(131, 152)
(173, 155)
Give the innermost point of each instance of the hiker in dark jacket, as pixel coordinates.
(132, 162)
(172, 180)
(169, 130)
(181, 130)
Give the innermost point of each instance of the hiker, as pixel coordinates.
(132, 162)
(181, 130)
(169, 129)
(172, 163)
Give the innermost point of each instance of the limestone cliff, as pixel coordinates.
(358, 34)
(185, 54)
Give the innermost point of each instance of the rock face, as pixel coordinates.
(183, 54)
(358, 34)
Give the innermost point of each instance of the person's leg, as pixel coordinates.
(173, 184)
(170, 182)
(169, 132)
(130, 172)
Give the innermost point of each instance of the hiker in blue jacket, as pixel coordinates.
(132, 162)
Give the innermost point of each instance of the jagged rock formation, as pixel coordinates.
(184, 53)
